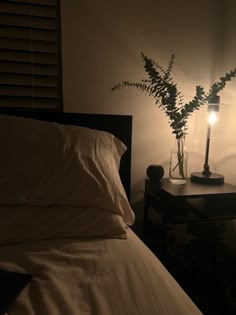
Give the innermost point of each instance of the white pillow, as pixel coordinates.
(25, 223)
(44, 163)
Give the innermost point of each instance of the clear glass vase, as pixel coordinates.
(178, 163)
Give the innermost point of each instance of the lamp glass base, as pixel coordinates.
(213, 179)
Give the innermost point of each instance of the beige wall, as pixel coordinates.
(102, 41)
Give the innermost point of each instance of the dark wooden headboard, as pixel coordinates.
(119, 125)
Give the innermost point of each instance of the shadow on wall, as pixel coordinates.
(227, 167)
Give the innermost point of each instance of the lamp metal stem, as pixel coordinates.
(206, 171)
(206, 176)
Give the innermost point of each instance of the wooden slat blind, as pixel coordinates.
(30, 54)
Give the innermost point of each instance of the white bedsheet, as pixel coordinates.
(95, 277)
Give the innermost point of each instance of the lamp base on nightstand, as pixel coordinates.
(213, 179)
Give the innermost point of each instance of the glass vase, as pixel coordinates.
(178, 163)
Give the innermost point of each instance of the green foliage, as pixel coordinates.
(161, 86)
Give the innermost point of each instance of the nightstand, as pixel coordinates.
(189, 202)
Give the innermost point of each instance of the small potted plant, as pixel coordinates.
(160, 85)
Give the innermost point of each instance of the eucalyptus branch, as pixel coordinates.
(161, 86)
(169, 68)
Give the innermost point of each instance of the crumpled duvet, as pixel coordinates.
(94, 276)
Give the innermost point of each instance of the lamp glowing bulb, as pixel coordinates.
(212, 118)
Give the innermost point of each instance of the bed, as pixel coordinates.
(66, 218)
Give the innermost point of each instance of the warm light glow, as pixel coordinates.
(212, 118)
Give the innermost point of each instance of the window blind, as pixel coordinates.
(30, 54)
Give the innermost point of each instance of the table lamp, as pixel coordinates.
(206, 176)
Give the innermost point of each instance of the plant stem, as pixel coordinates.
(180, 156)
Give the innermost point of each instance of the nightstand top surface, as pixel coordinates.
(191, 189)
